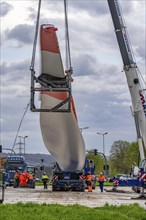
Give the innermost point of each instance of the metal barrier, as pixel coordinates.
(2, 186)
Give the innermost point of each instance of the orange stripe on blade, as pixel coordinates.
(62, 96)
(48, 39)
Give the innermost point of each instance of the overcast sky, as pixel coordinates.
(100, 90)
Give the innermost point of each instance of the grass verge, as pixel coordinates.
(32, 211)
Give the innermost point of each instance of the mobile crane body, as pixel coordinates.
(134, 80)
(137, 91)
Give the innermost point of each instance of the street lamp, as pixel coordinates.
(81, 129)
(103, 134)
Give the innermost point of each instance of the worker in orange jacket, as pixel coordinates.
(31, 180)
(23, 179)
(101, 180)
(16, 179)
(88, 178)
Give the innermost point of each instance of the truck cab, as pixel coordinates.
(12, 164)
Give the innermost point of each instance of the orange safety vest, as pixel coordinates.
(23, 179)
(16, 176)
(101, 178)
(30, 176)
(88, 177)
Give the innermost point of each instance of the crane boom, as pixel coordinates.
(134, 82)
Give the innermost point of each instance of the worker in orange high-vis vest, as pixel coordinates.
(30, 180)
(88, 178)
(101, 180)
(16, 179)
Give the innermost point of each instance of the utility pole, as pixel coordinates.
(22, 144)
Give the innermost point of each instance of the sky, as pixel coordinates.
(100, 90)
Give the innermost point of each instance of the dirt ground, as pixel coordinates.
(125, 195)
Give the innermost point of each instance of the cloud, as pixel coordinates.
(5, 8)
(100, 90)
(141, 52)
(23, 33)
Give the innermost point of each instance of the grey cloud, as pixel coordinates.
(24, 33)
(83, 65)
(32, 14)
(5, 8)
(126, 6)
(91, 7)
(141, 52)
(11, 68)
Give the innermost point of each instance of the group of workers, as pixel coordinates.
(100, 179)
(23, 179)
(27, 179)
(88, 179)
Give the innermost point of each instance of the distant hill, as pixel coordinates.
(35, 159)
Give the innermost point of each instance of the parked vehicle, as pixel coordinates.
(119, 177)
(12, 164)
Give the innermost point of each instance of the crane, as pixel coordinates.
(136, 84)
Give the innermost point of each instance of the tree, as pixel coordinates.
(98, 161)
(132, 155)
(118, 153)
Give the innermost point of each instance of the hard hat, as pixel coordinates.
(44, 173)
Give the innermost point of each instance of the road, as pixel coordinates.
(90, 199)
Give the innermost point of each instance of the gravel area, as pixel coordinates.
(91, 199)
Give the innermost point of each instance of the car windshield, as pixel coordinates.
(15, 167)
(121, 175)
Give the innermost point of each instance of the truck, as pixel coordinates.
(67, 180)
(136, 85)
(73, 180)
(12, 164)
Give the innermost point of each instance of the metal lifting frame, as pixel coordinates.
(57, 85)
(51, 86)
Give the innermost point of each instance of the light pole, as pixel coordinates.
(81, 129)
(103, 134)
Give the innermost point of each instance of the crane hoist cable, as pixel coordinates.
(35, 38)
(31, 68)
(68, 53)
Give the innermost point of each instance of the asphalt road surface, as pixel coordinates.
(125, 196)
